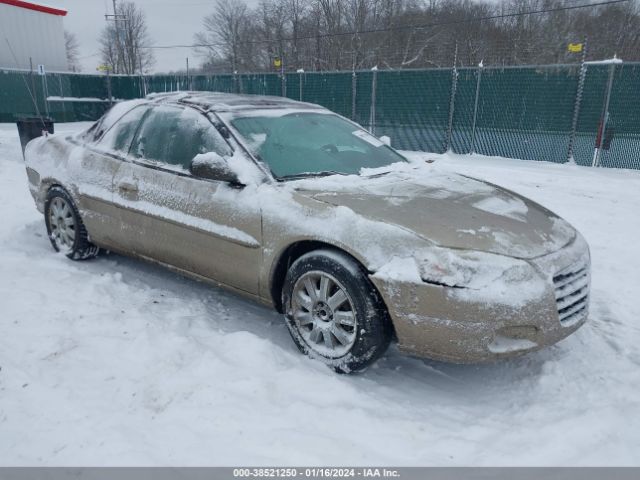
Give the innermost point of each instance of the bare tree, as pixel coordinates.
(226, 35)
(297, 11)
(72, 48)
(272, 15)
(124, 43)
(325, 35)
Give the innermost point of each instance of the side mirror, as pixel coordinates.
(213, 167)
(386, 140)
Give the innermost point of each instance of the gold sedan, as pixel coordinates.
(296, 207)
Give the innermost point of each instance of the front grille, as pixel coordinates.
(572, 292)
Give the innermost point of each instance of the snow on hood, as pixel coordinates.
(448, 210)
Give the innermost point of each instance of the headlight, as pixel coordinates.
(470, 269)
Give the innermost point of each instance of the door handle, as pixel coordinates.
(127, 187)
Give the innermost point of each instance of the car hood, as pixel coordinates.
(449, 210)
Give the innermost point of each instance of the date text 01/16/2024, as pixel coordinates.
(315, 472)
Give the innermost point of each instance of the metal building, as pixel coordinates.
(33, 31)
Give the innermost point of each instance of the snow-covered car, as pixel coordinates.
(301, 209)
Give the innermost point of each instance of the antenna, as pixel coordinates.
(26, 84)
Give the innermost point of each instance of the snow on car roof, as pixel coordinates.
(230, 101)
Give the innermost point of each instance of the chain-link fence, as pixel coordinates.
(586, 113)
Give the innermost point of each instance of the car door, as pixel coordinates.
(166, 214)
(102, 154)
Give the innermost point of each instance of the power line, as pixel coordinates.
(400, 27)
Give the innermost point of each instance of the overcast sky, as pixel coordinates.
(170, 22)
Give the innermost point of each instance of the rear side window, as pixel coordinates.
(175, 135)
(98, 129)
(120, 136)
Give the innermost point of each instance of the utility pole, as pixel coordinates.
(117, 25)
(119, 48)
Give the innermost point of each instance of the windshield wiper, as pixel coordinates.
(324, 173)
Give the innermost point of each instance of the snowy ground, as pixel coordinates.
(115, 362)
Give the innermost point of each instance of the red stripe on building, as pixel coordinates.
(35, 6)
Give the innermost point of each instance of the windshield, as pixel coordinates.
(311, 143)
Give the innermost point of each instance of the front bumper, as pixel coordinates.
(448, 324)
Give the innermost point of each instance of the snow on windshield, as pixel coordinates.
(295, 142)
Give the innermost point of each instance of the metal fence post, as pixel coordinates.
(372, 113)
(33, 93)
(64, 110)
(109, 93)
(45, 93)
(144, 85)
(354, 92)
(452, 100)
(283, 77)
(604, 119)
(188, 76)
(475, 110)
(300, 78)
(578, 102)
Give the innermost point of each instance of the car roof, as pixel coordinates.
(224, 102)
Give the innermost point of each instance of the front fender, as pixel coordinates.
(289, 218)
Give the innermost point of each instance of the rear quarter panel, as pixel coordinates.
(47, 164)
(86, 173)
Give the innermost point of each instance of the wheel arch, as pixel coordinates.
(302, 247)
(47, 183)
(82, 248)
(296, 250)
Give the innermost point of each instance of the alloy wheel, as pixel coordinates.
(62, 224)
(324, 314)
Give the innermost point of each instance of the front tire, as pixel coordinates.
(334, 313)
(65, 227)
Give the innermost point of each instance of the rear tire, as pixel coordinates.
(334, 313)
(65, 227)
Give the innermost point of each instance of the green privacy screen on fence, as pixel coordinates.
(526, 113)
(533, 113)
(624, 119)
(418, 121)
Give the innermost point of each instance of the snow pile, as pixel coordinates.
(115, 362)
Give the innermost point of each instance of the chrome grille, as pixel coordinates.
(572, 292)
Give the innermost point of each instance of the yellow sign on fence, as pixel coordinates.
(575, 47)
